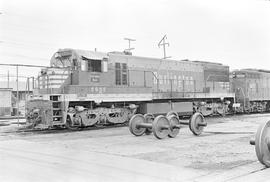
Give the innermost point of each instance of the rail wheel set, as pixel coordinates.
(163, 126)
(170, 125)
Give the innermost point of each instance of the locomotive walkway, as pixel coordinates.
(222, 153)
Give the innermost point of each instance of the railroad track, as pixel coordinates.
(61, 130)
(65, 130)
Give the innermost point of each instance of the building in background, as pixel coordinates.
(10, 102)
(5, 101)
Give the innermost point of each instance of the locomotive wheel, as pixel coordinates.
(70, 125)
(118, 117)
(262, 143)
(89, 119)
(194, 123)
(221, 110)
(159, 125)
(174, 121)
(172, 113)
(149, 118)
(133, 125)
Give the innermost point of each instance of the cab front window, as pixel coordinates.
(62, 59)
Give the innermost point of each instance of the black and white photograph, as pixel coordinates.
(134, 91)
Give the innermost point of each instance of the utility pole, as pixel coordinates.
(129, 43)
(163, 43)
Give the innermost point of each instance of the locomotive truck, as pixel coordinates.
(86, 88)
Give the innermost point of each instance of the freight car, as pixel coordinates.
(252, 90)
(85, 88)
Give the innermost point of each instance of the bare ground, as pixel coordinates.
(221, 153)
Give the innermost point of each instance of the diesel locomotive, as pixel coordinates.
(252, 90)
(87, 88)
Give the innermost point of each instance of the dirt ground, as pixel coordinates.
(221, 153)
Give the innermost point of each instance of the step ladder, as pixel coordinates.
(57, 108)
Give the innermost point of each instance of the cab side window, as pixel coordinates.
(93, 65)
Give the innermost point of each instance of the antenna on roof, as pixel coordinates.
(163, 43)
(129, 48)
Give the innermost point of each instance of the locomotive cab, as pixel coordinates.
(85, 62)
(85, 67)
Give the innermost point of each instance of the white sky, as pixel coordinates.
(232, 32)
